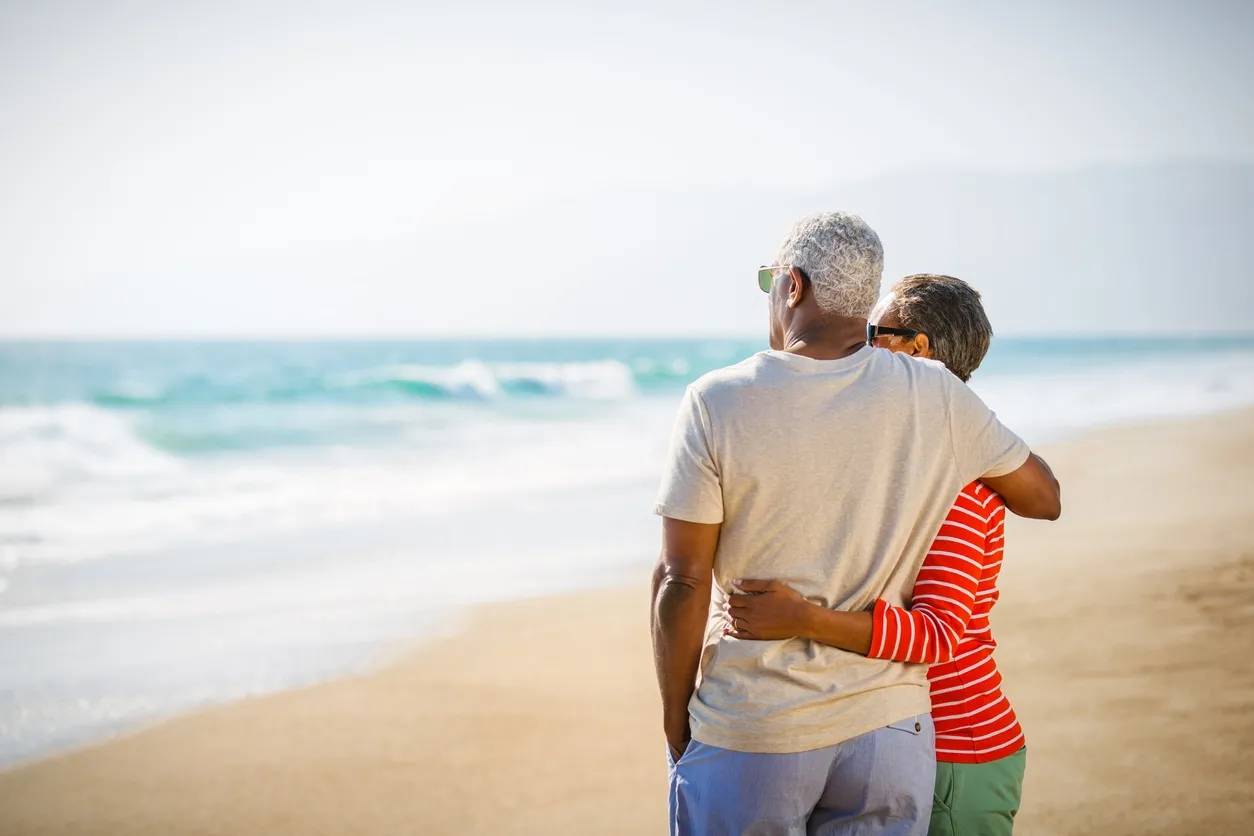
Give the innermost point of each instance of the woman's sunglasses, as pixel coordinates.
(873, 331)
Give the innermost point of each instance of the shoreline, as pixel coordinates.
(1121, 632)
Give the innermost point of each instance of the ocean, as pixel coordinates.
(183, 523)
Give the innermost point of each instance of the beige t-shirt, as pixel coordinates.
(832, 476)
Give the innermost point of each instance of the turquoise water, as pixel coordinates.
(194, 398)
(183, 522)
(120, 374)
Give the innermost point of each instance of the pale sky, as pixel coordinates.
(180, 168)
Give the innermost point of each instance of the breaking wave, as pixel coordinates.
(470, 380)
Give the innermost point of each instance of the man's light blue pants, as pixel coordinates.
(880, 783)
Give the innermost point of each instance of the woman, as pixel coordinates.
(980, 748)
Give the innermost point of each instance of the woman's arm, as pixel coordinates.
(766, 610)
(929, 631)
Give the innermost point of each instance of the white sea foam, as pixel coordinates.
(122, 501)
(608, 380)
(343, 590)
(44, 449)
(477, 380)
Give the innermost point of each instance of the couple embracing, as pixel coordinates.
(832, 535)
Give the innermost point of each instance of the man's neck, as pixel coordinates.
(829, 338)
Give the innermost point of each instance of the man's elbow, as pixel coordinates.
(1052, 493)
(1045, 504)
(659, 573)
(1052, 500)
(1032, 491)
(673, 579)
(669, 575)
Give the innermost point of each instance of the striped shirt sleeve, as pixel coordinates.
(944, 593)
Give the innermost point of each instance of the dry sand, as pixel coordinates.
(1127, 642)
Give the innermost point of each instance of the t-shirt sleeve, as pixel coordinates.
(982, 444)
(691, 490)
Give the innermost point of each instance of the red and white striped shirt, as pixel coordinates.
(947, 627)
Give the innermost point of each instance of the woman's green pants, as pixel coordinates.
(978, 799)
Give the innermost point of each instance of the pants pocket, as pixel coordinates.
(942, 822)
(943, 797)
(919, 724)
(670, 757)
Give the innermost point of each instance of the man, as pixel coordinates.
(830, 466)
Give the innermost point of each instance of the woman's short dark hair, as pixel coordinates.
(949, 311)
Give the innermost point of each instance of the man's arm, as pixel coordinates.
(986, 450)
(682, 583)
(1031, 491)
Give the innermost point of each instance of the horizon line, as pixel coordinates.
(1070, 334)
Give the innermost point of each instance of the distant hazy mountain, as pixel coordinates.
(1165, 247)
(1129, 249)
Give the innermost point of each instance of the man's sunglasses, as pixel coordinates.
(766, 275)
(873, 331)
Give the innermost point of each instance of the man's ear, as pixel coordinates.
(796, 290)
(922, 346)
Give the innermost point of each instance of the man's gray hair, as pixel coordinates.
(841, 256)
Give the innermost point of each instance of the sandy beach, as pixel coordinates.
(1125, 632)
